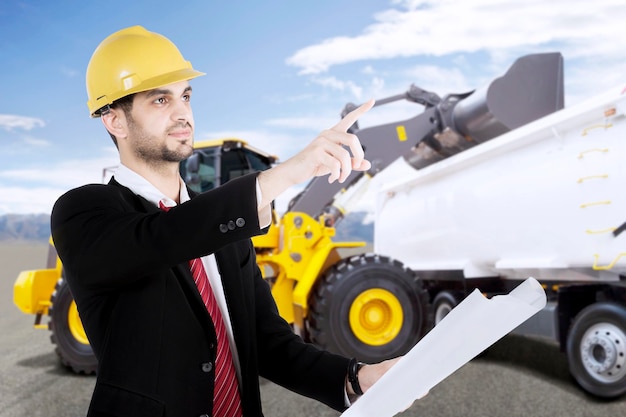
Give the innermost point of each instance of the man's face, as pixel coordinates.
(160, 124)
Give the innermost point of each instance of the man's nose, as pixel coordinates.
(182, 112)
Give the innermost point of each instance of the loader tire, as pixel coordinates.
(72, 345)
(596, 349)
(369, 307)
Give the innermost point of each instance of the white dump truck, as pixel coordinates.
(548, 200)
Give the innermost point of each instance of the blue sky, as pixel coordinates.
(278, 72)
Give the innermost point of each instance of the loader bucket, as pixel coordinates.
(532, 88)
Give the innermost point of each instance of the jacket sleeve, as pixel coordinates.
(111, 237)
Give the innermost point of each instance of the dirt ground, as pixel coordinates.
(516, 377)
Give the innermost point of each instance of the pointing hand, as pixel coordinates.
(334, 151)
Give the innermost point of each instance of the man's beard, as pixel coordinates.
(145, 145)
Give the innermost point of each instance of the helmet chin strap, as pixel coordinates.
(104, 110)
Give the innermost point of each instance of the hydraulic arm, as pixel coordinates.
(530, 89)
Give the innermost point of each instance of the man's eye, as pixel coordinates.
(187, 97)
(160, 100)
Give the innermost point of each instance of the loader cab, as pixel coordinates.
(215, 162)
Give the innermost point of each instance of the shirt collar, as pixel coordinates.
(141, 186)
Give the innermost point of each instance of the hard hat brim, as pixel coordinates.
(132, 84)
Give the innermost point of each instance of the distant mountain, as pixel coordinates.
(24, 227)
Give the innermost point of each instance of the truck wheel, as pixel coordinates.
(596, 349)
(443, 303)
(369, 307)
(68, 333)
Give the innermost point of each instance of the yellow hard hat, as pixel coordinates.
(130, 61)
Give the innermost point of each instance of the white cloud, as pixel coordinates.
(448, 27)
(339, 85)
(281, 99)
(368, 70)
(29, 140)
(61, 175)
(496, 31)
(438, 79)
(34, 190)
(313, 124)
(28, 200)
(10, 122)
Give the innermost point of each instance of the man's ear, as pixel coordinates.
(115, 122)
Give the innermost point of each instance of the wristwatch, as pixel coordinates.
(353, 375)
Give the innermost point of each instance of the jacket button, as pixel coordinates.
(240, 222)
(205, 415)
(223, 228)
(231, 225)
(207, 367)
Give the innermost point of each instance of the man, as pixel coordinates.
(166, 281)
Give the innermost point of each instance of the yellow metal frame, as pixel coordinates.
(292, 257)
(32, 290)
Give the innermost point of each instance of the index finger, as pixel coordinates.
(345, 123)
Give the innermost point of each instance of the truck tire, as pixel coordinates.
(443, 303)
(596, 349)
(68, 334)
(369, 307)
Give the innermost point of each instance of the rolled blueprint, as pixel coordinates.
(471, 327)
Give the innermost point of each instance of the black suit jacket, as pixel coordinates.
(126, 264)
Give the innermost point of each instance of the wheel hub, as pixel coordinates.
(376, 316)
(603, 352)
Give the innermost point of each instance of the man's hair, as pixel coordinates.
(126, 104)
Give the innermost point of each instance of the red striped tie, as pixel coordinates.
(226, 396)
